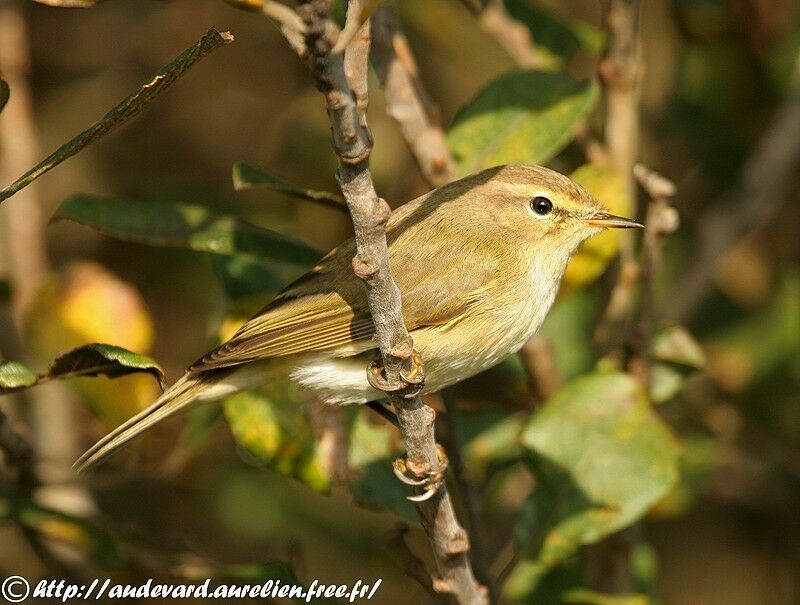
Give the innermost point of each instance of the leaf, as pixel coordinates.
(181, 225)
(247, 177)
(108, 360)
(522, 117)
(556, 39)
(675, 344)
(67, 529)
(603, 458)
(15, 376)
(5, 93)
(488, 438)
(608, 187)
(84, 302)
(125, 110)
(272, 429)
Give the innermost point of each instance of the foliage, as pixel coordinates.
(521, 117)
(89, 360)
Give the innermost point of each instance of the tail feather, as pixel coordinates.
(177, 398)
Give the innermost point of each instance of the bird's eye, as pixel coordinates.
(541, 205)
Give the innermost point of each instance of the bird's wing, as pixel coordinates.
(311, 315)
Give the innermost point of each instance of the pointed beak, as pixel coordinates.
(606, 220)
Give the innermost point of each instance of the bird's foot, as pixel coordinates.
(429, 482)
(410, 382)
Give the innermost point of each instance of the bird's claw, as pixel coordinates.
(430, 481)
(410, 383)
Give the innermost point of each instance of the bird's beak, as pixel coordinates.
(606, 220)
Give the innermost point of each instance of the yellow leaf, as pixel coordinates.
(84, 304)
(608, 187)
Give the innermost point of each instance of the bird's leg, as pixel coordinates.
(431, 482)
(383, 412)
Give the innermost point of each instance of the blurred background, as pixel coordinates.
(192, 501)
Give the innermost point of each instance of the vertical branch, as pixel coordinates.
(407, 101)
(620, 71)
(607, 564)
(660, 221)
(399, 372)
(23, 235)
(539, 358)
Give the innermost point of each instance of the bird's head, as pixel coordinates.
(541, 206)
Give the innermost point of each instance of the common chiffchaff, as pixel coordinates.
(478, 263)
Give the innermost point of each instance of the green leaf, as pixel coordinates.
(522, 117)
(674, 344)
(64, 529)
(371, 453)
(184, 226)
(603, 458)
(126, 109)
(556, 39)
(5, 93)
(247, 177)
(488, 438)
(14, 376)
(379, 489)
(108, 360)
(666, 382)
(273, 429)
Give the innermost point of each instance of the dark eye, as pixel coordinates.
(541, 205)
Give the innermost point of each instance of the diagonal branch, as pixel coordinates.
(407, 101)
(399, 371)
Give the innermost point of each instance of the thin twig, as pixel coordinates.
(329, 425)
(407, 101)
(399, 371)
(755, 199)
(661, 220)
(412, 565)
(18, 455)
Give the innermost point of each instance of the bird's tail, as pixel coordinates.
(191, 389)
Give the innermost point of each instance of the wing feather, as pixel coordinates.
(327, 309)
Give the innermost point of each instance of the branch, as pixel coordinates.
(23, 225)
(514, 37)
(661, 220)
(399, 372)
(407, 102)
(539, 358)
(620, 71)
(755, 199)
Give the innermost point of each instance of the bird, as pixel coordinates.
(478, 263)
